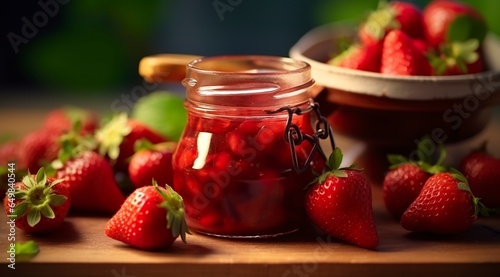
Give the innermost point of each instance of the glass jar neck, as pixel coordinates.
(258, 83)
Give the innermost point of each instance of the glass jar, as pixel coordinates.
(233, 165)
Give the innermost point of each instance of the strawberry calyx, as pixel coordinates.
(174, 205)
(37, 198)
(459, 54)
(380, 20)
(111, 135)
(72, 143)
(333, 167)
(347, 53)
(425, 159)
(463, 184)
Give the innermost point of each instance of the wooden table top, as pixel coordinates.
(80, 248)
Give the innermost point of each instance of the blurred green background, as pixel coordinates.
(93, 47)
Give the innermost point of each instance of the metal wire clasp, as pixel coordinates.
(294, 136)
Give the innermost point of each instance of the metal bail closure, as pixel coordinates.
(294, 136)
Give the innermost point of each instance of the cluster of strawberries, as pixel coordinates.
(74, 163)
(427, 196)
(445, 38)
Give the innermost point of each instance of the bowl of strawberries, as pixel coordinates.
(405, 72)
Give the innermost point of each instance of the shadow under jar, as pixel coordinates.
(233, 165)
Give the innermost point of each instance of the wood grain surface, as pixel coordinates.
(80, 248)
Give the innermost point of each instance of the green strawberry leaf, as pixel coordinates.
(34, 216)
(465, 50)
(340, 173)
(28, 181)
(57, 200)
(41, 178)
(174, 205)
(466, 27)
(396, 160)
(111, 135)
(458, 175)
(29, 248)
(21, 209)
(143, 144)
(20, 194)
(335, 159)
(47, 212)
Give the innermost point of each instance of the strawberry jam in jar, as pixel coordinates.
(234, 165)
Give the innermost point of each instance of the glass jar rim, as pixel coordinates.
(248, 81)
(269, 65)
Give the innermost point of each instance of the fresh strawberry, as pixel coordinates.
(91, 182)
(423, 46)
(117, 138)
(406, 177)
(360, 57)
(151, 218)
(8, 152)
(482, 171)
(444, 206)
(401, 186)
(401, 57)
(458, 58)
(8, 157)
(393, 16)
(37, 149)
(62, 120)
(40, 204)
(448, 21)
(152, 162)
(340, 204)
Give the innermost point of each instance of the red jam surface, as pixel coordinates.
(236, 175)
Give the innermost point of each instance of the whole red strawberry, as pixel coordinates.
(37, 149)
(360, 57)
(340, 204)
(151, 218)
(482, 170)
(401, 186)
(444, 206)
(152, 162)
(406, 178)
(8, 158)
(396, 15)
(448, 21)
(117, 138)
(423, 46)
(62, 120)
(39, 204)
(400, 56)
(8, 152)
(91, 183)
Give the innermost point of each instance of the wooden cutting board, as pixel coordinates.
(80, 248)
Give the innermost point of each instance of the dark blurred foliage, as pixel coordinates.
(95, 46)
